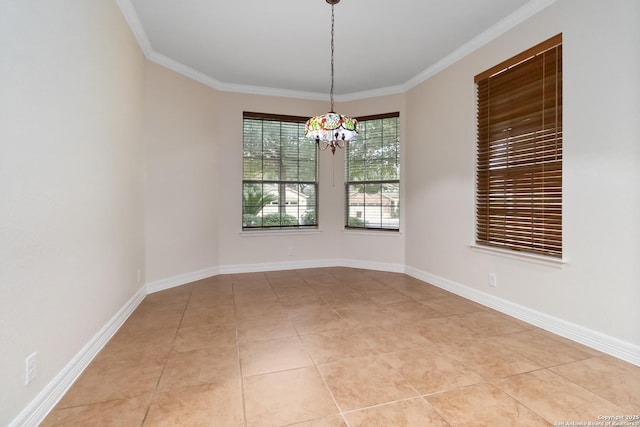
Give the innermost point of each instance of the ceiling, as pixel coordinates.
(282, 47)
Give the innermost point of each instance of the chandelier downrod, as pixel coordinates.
(332, 49)
(331, 130)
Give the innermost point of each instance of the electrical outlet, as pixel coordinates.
(139, 275)
(290, 251)
(493, 281)
(31, 368)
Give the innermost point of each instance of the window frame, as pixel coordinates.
(349, 225)
(280, 182)
(525, 153)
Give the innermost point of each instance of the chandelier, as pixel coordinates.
(331, 129)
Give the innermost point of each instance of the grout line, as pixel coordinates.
(175, 336)
(235, 316)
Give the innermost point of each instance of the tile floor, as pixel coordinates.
(339, 347)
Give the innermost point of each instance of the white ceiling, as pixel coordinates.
(282, 47)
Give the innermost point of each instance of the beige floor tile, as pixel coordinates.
(344, 300)
(483, 405)
(255, 311)
(248, 278)
(222, 288)
(419, 291)
(241, 286)
(266, 328)
(150, 318)
(365, 285)
(211, 287)
(410, 311)
(211, 298)
(283, 275)
(362, 317)
(555, 398)
(205, 335)
(114, 413)
(396, 337)
(488, 324)
(381, 276)
(608, 377)
(407, 413)
(491, 360)
(331, 346)
(255, 296)
(542, 347)
(308, 307)
(319, 279)
(287, 397)
(329, 289)
(301, 289)
(169, 298)
(334, 421)
(212, 280)
(522, 324)
(212, 365)
(301, 300)
(198, 314)
(287, 282)
(387, 296)
(591, 351)
(114, 380)
(452, 305)
(133, 344)
(432, 370)
(208, 405)
(443, 330)
(365, 381)
(261, 357)
(314, 321)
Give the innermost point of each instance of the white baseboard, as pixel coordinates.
(372, 265)
(596, 340)
(47, 399)
(275, 266)
(181, 279)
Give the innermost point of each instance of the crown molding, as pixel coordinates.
(517, 17)
(493, 32)
(374, 93)
(131, 16)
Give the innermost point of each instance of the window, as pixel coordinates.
(372, 186)
(519, 163)
(279, 173)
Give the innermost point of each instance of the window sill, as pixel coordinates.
(371, 232)
(280, 232)
(521, 256)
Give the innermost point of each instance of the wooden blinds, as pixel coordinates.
(519, 163)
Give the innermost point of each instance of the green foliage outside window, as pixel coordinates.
(373, 174)
(279, 173)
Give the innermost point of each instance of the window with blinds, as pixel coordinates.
(279, 173)
(372, 163)
(519, 157)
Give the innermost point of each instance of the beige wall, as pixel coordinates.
(71, 183)
(182, 147)
(598, 288)
(194, 180)
(376, 249)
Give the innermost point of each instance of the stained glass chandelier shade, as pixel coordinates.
(331, 129)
